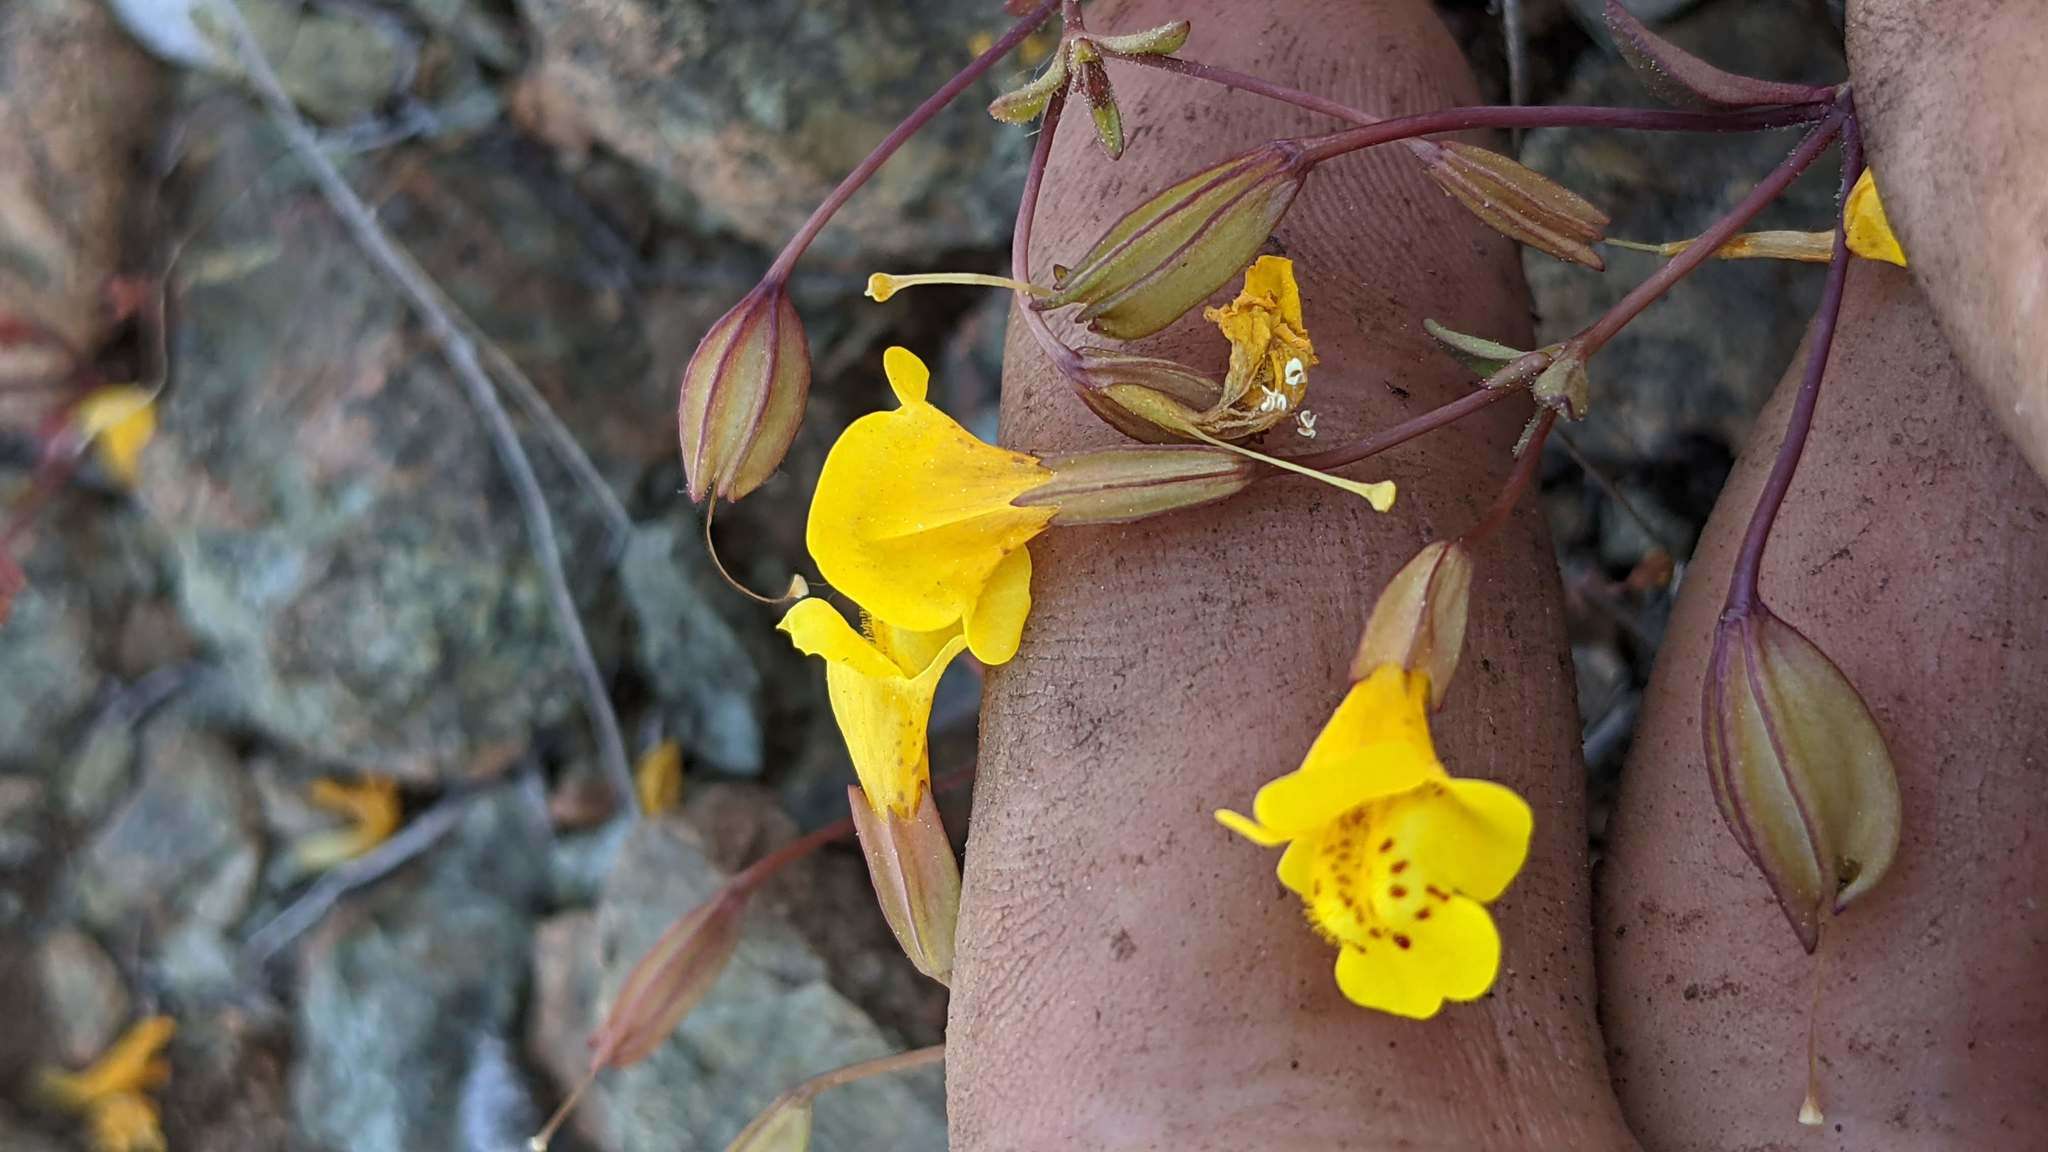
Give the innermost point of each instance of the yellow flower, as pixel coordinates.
(1870, 234)
(881, 683)
(913, 520)
(110, 1093)
(118, 421)
(1393, 858)
(373, 810)
(1270, 353)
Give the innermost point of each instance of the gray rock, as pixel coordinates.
(410, 992)
(183, 849)
(757, 110)
(771, 1021)
(16, 1136)
(83, 994)
(1702, 361)
(21, 820)
(707, 686)
(46, 676)
(227, 1089)
(343, 536)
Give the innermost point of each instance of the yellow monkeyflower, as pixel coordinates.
(118, 421)
(1270, 353)
(881, 682)
(110, 1094)
(1393, 858)
(913, 519)
(373, 810)
(1869, 232)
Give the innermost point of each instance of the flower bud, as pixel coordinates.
(1798, 767)
(670, 979)
(1168, 254)
(785, 1126)
(1418, 623)
(1164, 40)
(916, 878)
(1118, 485)
(743, 395)
(1027, 103)
(1091, 84)
(1518, 202)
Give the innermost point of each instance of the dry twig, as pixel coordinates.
(459, 349)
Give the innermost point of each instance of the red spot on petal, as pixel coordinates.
(1422, 913)
(1402, 942)
(1399, 867)
(1397, 892)
(1387, 845)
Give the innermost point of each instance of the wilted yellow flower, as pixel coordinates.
(881, 684)
(658, 778)
(1869, 232)
(118, 421)
(110, 1093)
(373, 810)
(1393, 858)
(913, 519)
(1270, 353)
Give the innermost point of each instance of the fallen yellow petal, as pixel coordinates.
(658, 778)
(1870, 233)
(373, 810)
(118, 421)
(130, 1065)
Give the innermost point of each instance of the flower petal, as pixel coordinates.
(1273, 276)
(912, 515)
(1386, 978)
(884, 722)
(995, 625)
(817, 629)
(1481, 844)
(908, 377)
(1376, 744)
(1459, 946)
(1297, 866)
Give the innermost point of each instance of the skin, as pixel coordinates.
(1909, 549)
(1130, 975)
(1952, 93)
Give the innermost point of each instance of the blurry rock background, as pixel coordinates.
(321, 570)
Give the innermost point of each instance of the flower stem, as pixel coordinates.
(1703, 248)
(1518, 484)
(761, 871)
(918, 118)
(1245, 82)
(1337, 144)
(1064, 358)
(880, 1066)
(1497, 387)
(1742, 585)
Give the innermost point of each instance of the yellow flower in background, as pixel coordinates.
(658, 778)
(118, 421)
(373, 810)
(881, 682)
(1393, 858)
(1270, 353)
(913, 520)
(1869, 232)
(110, 1093)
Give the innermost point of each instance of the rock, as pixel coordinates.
(758, 109)
(707, 686)
(46, 676)
(83, 993)
(771, 1021)
(227, 1089)
(21, 820)
(410, 992)
(16, 1136)
(1700, 362)
(1648, 11)
(344, 538)
(183, 849)
(97, 776)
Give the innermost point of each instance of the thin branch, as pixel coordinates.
(460, 352)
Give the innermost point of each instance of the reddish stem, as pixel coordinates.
(761, 871)
(1518, 483)
(1246, 82)
(1498, 387)
(1709, 242)
(1063, 357)
(1742, 585)
(1558, 116)
(918, 118)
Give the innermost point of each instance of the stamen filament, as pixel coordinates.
(1379, 494)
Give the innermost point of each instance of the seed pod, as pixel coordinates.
(1147, 398)
(1518, 202)
(1418, 623)
(670, 979)
(1168, 254)
(742, 395)
(1164, 40)
(1799, 768)
(1118, 485)
(1091, 84)
(916, 878)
